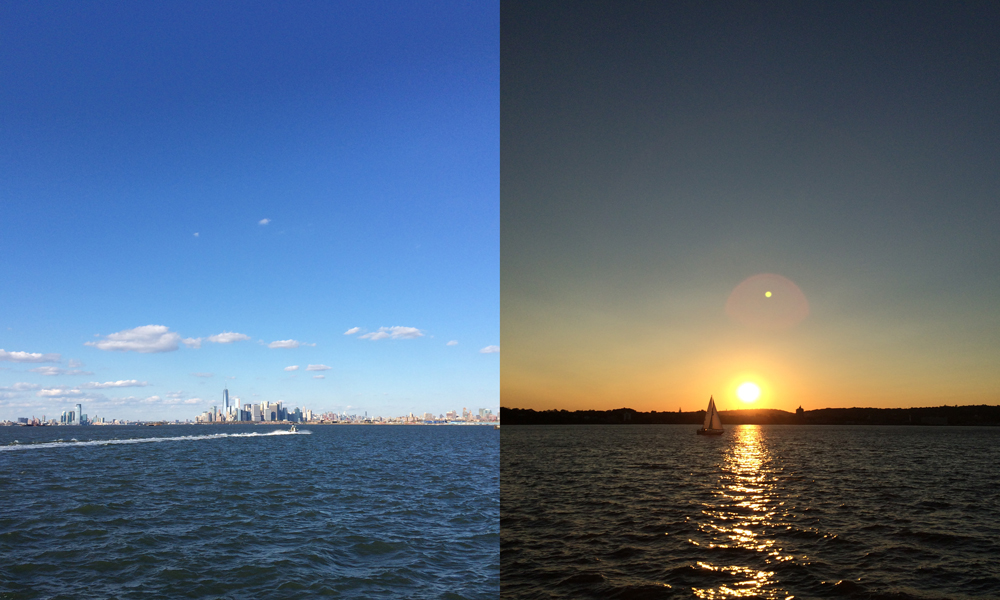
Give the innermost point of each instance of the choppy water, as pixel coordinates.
(249, 512)
(762, 512)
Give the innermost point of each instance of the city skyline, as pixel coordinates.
(233, 410)
(302, 202)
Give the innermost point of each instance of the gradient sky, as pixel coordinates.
(254, 180)
(656, 156)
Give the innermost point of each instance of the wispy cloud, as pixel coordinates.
(21, 386)
(228, 337)
(490, 350)
(292, 368)
(318, 368)
(285, 344)
(263, 221)
(452, 343)
(196, 234)
(74, 364)
(203, 374)
(146, 339)
(58, 371)
(395, 333)
(59, 393)
(352, 331)
(94, 385)
(319, 376)
(192, 401)
(28, 357)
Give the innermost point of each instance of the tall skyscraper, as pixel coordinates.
(79, 412)
(225, 399)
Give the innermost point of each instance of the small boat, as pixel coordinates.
(713, 423)
(293, 429)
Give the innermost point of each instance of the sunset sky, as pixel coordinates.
(299, 201)
(663, 166)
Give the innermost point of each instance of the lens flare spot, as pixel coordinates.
(767, 302)
(748, 392)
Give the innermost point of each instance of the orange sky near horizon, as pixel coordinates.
(579, 362)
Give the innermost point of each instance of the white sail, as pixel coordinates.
(716, 420)
(712, 419)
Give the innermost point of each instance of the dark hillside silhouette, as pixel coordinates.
(938, 415)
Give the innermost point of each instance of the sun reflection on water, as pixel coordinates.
(744, 509)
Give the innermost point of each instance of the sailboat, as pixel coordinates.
(713, 423)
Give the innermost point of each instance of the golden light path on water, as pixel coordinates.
(746, 506)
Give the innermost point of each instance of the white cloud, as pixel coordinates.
(227, 337)
(94, 385)
(292, 368)
(263, 221)
(192, 342)
(152, 399)
(192, 401)
(352, 331)
(319, 376)
(318, 368)
(452, 343)
(196, 234)
(58, 371)
(285, 344)
(74, 364)
(145, 339)
(203, 374)
(374, 336)
(395, 333)
(490, 350)
(32, 357)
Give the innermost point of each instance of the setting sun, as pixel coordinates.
(748, 392)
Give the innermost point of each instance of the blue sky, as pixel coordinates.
(240, 174)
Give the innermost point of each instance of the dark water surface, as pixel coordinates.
(229, 512)
(763, 512)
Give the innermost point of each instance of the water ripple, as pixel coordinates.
(764, 512)
(231, 512)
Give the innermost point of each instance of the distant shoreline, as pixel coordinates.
(936, 416)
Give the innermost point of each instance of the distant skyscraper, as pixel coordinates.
(225, 399)
(79, 413)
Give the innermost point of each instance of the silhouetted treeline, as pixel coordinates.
(938, 415)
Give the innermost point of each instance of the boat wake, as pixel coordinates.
(215, 436)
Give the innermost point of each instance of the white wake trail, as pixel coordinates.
(214, 436)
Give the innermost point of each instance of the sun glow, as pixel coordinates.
(748, 392)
